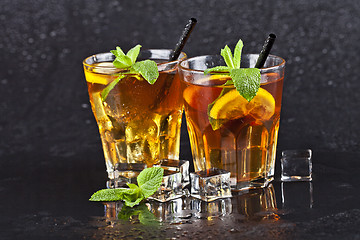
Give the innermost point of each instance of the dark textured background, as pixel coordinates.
(44, 109)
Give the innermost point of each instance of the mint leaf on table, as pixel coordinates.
(147, 69)
(133, 196)
(109, 194)
(149, 181)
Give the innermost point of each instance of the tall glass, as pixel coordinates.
(139, 123)
(225, 130)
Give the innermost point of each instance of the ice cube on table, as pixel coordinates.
(173, 211)
(296, 165)
(181, 166)
(170, 188)
(210, 184)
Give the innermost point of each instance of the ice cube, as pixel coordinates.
(173, 211)
(210, 184)
(171, 187)
(177, 165)
(296, 165)
(142, 141)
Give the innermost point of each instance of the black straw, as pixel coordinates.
(184, 37)
(265, 50)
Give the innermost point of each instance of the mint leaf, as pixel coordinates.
(105, 195)
(118, 52)
(133, 196)
(109, 87)
(246, 81)
(134, 53)
(131, 202)
(118, 64)
(132, 185)
(226, 54)
(125, 60)
(149, 180)
(146, 217)
(221, 69)
(237, 53)
(148, 69)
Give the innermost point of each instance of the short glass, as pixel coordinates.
(139, 123)
(226, 131)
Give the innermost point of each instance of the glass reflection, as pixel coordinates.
(257, 203)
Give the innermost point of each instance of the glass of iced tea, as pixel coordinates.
(139, 123)
(226, 131)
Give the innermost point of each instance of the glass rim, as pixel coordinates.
(267, 69)
(144, 50)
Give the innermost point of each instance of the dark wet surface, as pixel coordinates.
(50, 201)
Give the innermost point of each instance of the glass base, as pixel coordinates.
(248, 185)
(124, 173)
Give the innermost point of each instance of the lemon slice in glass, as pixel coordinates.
(262, 106)
(229, 106)
(232, 105)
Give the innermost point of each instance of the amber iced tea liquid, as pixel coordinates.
(139, 123)
(243, 143)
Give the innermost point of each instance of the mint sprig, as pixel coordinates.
(149, 181)
(246, 80)
(146, 69)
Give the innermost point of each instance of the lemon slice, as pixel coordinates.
(262, 106)
(232, 105)
(229, 106)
